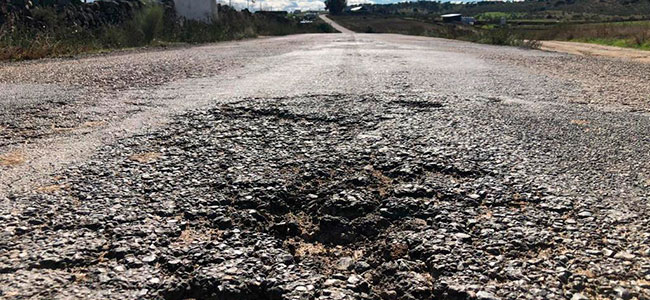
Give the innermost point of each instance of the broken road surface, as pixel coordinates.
(333, 166)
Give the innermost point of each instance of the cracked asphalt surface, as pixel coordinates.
(332, 166)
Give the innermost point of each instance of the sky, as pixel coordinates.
(290, 5)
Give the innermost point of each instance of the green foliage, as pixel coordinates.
(335, 6)
(620, 34)
(498, 36)
(496, 16)
(493, 35)
(604, 10)
(153, 24)
(325, 28)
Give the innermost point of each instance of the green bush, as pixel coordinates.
(497, 36)
(325, 28)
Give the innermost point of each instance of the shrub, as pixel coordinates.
(498, 36)
(531, 44)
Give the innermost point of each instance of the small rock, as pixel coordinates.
(624, 255)
(149, 258)
(584, 214)
(286, 259)
(462, 236)
(622, 293)
(332, 282)
(593, 251)
(607, 252)
(354, 279)
(483, 295)
(579, 296)
(344, 263)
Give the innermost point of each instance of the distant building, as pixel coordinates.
(198, 10)
(355, 9)
(452, 18)
(277, 13)
(468, 20)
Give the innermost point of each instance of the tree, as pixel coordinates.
(335, 6)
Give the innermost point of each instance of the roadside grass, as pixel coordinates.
(379, 24)
(628, 34)
(11, 159)
(623, 43)
(153, 25)
(631, 34)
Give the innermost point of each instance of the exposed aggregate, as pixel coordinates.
(330, 197)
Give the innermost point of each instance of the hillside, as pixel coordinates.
(579, 10)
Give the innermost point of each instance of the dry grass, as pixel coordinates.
(486, 215)
(60, 129)
(102, 256)
(580, 122)
(80, 277)
(307, 227)
(145, 157)
(50, 188)
(385, 183)
(643, 283)
(304, 249)
(186, 237)
(189, 236)
(11, 159)
(586, 273)
(398, 250)
(621, 34)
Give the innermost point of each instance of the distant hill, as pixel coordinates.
(596, 10)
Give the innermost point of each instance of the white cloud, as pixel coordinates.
(287, 5)
(355, 2)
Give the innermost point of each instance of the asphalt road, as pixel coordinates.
(333, 166)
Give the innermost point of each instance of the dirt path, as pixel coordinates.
(336, 26)
(596, 50)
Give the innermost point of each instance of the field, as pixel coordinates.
(413, 26)
(622, 23)
(621, 34)
(393, 24)
(630, 34)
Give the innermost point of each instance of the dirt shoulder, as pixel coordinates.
(585, 49)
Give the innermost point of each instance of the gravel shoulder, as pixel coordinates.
(334, 166)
